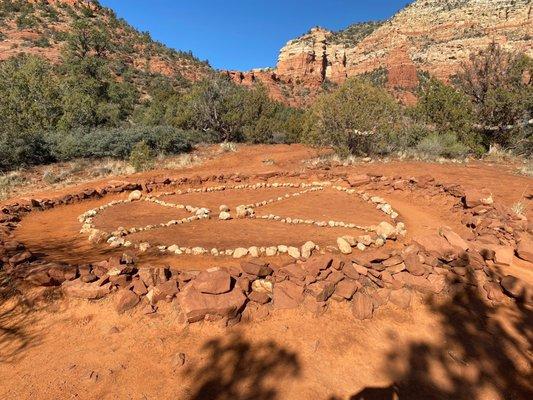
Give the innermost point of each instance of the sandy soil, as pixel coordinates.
(441, 348)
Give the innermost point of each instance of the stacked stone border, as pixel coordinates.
(117, 238)
(436, 263)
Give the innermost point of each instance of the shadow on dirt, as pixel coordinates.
(236, 369)
(18, 320)
(485, 352)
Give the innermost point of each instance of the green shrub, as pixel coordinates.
(442, 145)
(141, 157)
(357, 118)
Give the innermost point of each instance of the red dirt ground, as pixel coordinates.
(440, 348)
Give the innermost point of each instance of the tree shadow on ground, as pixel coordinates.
(485, 351)
(18, 328)
(236, 369)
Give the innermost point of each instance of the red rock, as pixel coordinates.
(394, 260)
(125, 300)
(295, 271)
(474, 198)
(346, 289)
(362, 306)
(259, 297)
(514, 287)
(351, 270)
(494, 291)
(139, 287)
(358, 180)
(197, 306)
(287, 295)
(437, 246)
(402, 297)
(40, 278)
(314, 265)
(454, 239)
(525, 249)
(89, 291)
(321, 291)
(256, 268)
(163, 291)
(414, 265)
(20, 258)
(213, 281)
(503, 255)
(437, 282)
(254, 312)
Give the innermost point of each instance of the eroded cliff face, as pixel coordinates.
(434, 36)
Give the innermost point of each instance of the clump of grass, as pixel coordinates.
(8, 182)
(227, 147)
(519, 208)
(527, 169)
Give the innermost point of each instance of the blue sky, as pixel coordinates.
(243, 34)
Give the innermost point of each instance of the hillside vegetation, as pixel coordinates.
(94, 102)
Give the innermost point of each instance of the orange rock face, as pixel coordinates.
(428, 35)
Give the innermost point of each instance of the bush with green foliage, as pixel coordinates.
(357, 118)
(141, 157)
(500, 85)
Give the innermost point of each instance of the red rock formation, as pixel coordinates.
(428, 35)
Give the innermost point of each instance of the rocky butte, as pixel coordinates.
(433, 36)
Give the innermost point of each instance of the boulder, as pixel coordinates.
(287, 295)
(344, 246)
(196, 305)
(89, 291)
(317, 264)
(307, 249)
(413, 264)
(345, 289)
(213, 281)
(135, 195)
(362, 306)
(524, 249)
(358, 180)
(386, 230)
(125, 300)
(474, 198)
(438, 246)
(494, 291)
(514, 287)
(262, 286)
(402, 297)
(256, 268)
(321, 290)
(454, 239)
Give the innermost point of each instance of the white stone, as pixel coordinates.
(223, 208)
(379, 242)
(143, 247)
(198, 251)
(344, 246)
(307, 249)
(135, 195)
(262, 286)
(282, 249)
(240, 252)
(253, 251)
(271, 251)
(386, 230)
(294, 252)
(365, 239)
(361, 246)
(224, 216)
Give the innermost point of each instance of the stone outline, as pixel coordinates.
(118, 238)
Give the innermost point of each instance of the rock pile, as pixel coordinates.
(428, 264)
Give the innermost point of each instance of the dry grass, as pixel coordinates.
(78, 171)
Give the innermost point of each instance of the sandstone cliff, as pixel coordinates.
(435, 36)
